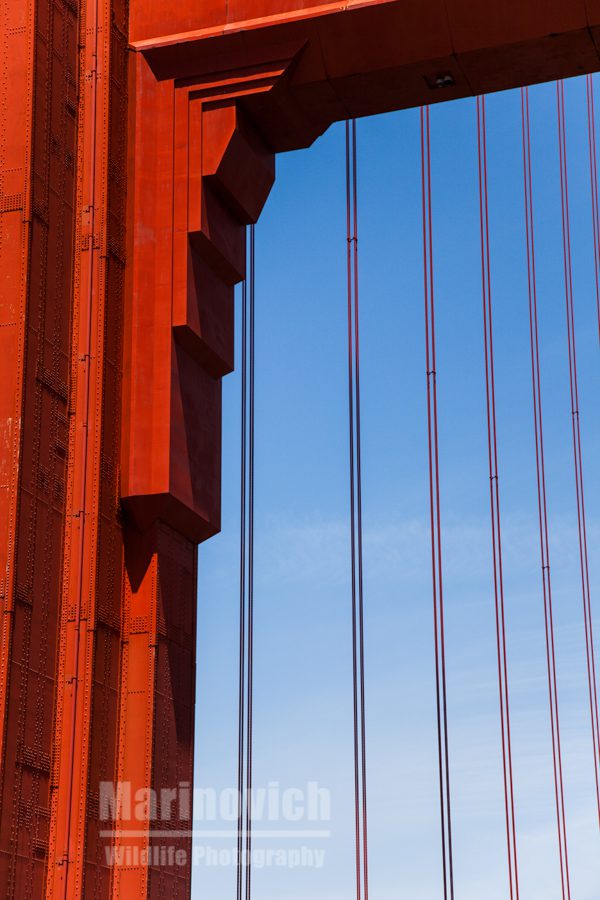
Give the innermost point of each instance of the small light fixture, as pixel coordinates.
(445, 80)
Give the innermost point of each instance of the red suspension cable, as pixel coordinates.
(250, 668)
(594, 187)
(246, 648)
(542, 502)
(511, 837)
(243, 599)
(576, 428)
(356, 537)
(435, 512)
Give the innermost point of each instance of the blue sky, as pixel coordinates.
(303, 690)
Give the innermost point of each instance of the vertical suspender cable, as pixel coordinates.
(495, 503)
(435, 511)
(356, 538)
(357, 820)
(361, 617)
(246, 646)
(577, 452)
(242, 647)
(594, 187)
(250, 654)
(542, 503)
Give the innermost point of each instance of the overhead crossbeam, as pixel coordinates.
(360, 58)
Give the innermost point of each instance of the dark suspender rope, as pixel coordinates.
(242, 647)
(435, 511)
(246, 644)
(356, 535)
(594, 186)
(576, 428)
(511, 838)
(542, 502)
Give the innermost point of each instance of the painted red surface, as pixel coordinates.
(129, 169)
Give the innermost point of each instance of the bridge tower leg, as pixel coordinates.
(113, 343)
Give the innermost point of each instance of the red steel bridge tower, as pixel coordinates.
(137, 141)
